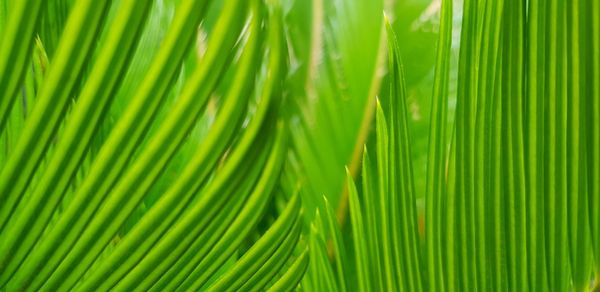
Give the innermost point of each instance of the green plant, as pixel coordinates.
(199, 145)
(512, 204)
(107, 182)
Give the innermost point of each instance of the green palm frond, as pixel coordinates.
(509, 200)
(333, 84)
(184, 145)
(120, 101)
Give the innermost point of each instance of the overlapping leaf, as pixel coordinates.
(510, 206)
(107, 128)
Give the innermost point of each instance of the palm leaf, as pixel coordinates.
(68, 211)
(334, 83)
(510, 207)
(199, 145)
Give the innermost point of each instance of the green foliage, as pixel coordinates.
(509, 200)
(176, 145)
(108, 115)
(333, 84)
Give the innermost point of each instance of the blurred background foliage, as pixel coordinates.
(336, 109)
